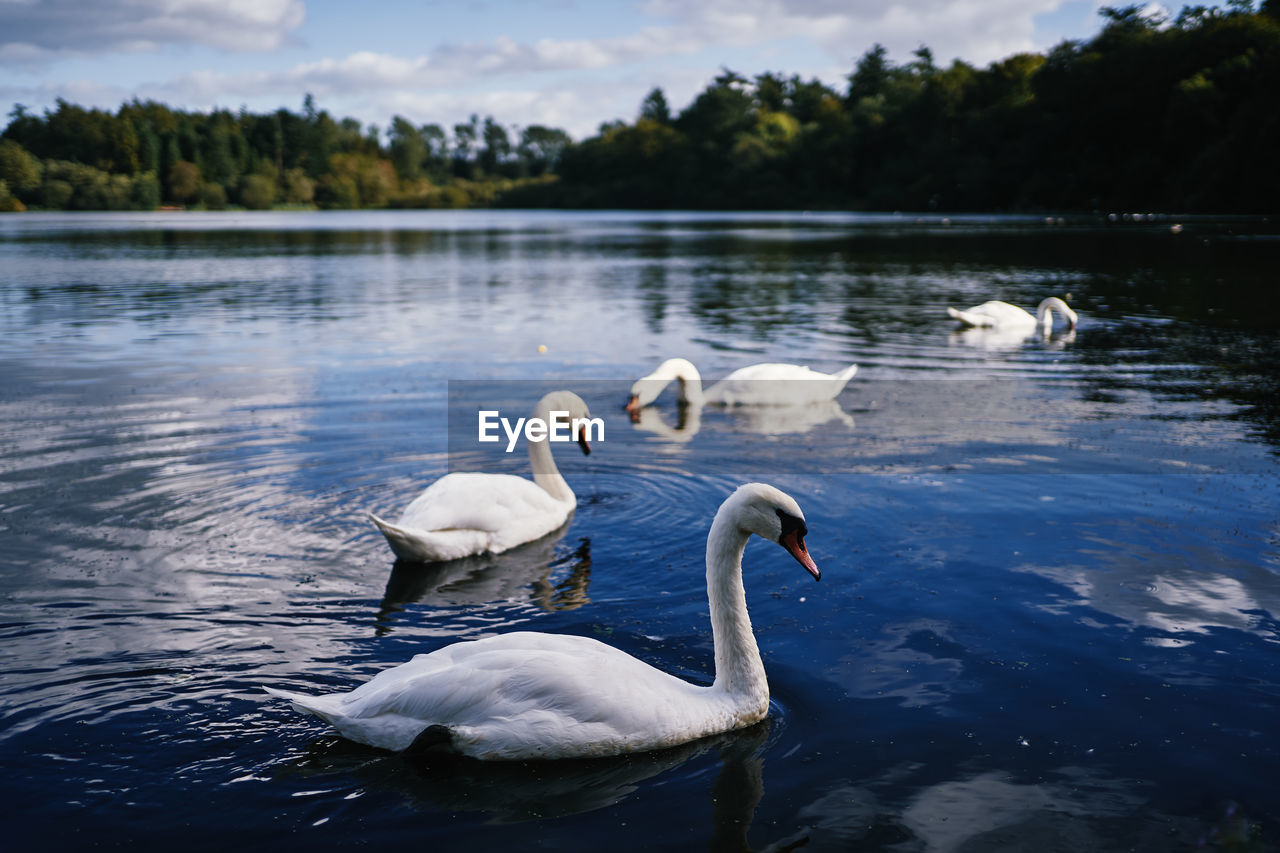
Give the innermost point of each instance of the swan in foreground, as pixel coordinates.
(1003, 316)
(768, 384)
(463, 514)
(530, 695)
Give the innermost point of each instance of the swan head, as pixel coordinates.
(772, 514)
(1044, 313)
(647, 388)
(567, 401)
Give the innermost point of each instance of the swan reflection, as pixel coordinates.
(515, 791)
(688, 422)
(999, 339)
(528, 572)
(761, 420)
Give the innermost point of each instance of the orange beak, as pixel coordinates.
(794, 543)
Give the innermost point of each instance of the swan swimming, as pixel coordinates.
(527, 695)
(768, 384)
(463, 514)
(1003, 316)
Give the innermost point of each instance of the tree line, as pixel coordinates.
(1150, 113)
(146, 155)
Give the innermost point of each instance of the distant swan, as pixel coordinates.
(463, 514)
(529, 695)
(767, 384)
(1003, 316)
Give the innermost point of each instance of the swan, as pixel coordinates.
(527, 695)
(464, 514)
(1002, 315)
(767, 384)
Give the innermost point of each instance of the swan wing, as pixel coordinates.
(778, 384)
(470, 513)
(992, 314)
(474, 501)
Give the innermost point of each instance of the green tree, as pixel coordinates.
(654, 107)
(9, 203)
(257, 192)
(212, 196)
(18, 169)
(298, 187)
(870, 76)
(144, 192)
(541, 148)
(408, 151)
(465, 137)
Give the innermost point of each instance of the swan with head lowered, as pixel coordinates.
(463, 514)
(1005, 317)
(769, 384)
(526, 695)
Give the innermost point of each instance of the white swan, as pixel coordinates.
(529, 695)
(1002, 315)
(769, 384)
(462, 514)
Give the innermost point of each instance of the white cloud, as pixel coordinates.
(34, 33)
(978, 31)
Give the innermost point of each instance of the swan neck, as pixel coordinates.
(1044, 313)
(686, 375)
(543, 464)
(739, 670)
(691, 389)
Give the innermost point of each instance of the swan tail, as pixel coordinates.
(404, 544)
(847, 374)
(324, 707)
(969, 318)
(385, 731)
(430, 546)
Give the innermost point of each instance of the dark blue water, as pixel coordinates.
(1050, 607)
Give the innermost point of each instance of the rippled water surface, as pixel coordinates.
(1050, 607)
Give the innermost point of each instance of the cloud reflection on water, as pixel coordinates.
(1179, 594)
(908, 665)
(1072, 809)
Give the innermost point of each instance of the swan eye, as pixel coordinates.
(791, 523)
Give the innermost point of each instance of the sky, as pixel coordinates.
(571, 64)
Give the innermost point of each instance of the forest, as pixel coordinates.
(1151, 113)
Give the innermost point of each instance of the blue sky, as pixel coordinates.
(565, 63)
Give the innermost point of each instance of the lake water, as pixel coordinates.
(1050, 608)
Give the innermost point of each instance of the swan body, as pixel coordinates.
(463, 514)
(769, 384)
(1006, 317)
(527, 695)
